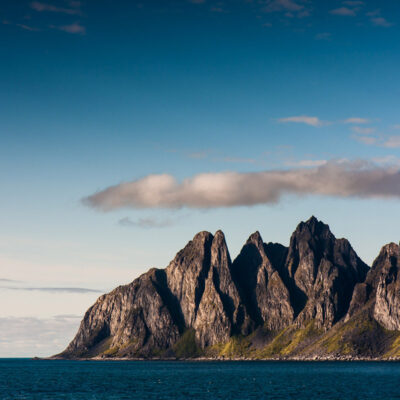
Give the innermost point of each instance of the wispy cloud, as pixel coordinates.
(363, 130)
(74, 8)
(306, 163)
(392, 142)
(197, 155)
(323, 36)
(238, 160)
(28, 337)
(28, 27)
(283, 5)
(75, 28)
(228, 189)
(373, 13)
(380, 21)
(146, 223)
(22, 26)
(377, 19)
(303, 119)
(356, 120)
(344, 11)
(368, 140)
(387, 160)
(53, 289)
(291, 8)
(377, 139)
(354, 3)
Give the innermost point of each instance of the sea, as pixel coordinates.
(58, 379)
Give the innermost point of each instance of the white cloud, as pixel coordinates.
(283, 5)
(363, 130)
(387, 160)
(379, 140)
(146, 223)
(75, 28)
(356, 120)
(344, 11)
(369, 140)
(52, 289)
(28, 337)
(74, 8)
(238, 160)
(373, 13)
(306, 163)
(354, 3)
(392, 142)
(289, 8)
(197, 155)
(380, 21)
(228, 189)
(303, 119)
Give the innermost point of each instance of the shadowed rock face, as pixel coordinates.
(317, 278)
(322, 272)
(221, 312)
(380, 293)
(257, 273)
(187, 273)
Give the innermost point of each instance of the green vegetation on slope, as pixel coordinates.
(186, 346)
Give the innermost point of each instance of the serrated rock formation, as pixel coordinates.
(203, 300)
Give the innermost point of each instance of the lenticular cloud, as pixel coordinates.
(344, 179)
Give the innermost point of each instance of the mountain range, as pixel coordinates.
(315, 299)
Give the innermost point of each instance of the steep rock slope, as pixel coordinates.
(380, 293)
(257, 273)
(321, 274)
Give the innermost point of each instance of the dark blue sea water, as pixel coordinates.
(29, 379)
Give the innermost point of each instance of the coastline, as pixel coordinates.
(225, 359)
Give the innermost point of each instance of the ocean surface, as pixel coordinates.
(30, 379)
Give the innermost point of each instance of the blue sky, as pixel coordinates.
(106, 94)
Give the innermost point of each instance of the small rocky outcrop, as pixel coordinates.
(309, 297)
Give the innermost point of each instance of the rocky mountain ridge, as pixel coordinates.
(315, 298)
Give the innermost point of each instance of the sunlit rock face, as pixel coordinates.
(387, 300)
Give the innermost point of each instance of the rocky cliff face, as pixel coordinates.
(380, 292)
(203, 300)
(323, 271)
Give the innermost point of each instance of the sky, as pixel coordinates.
(128, 127)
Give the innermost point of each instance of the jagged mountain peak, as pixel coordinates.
(313, 228)
(271, 288)
(219, 238)
(202, 236)
(255, 238)
(390, 249)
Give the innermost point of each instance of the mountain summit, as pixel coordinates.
(315, 299)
